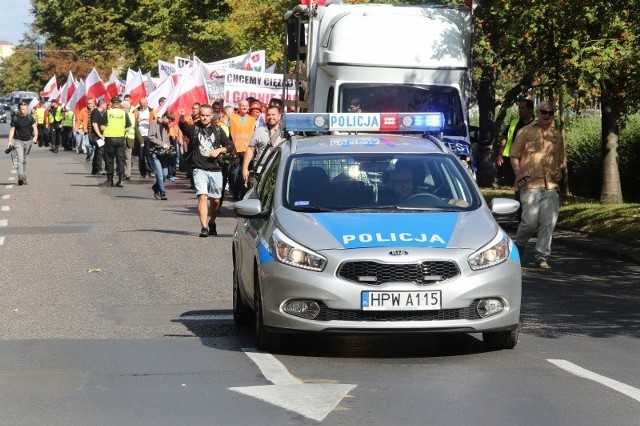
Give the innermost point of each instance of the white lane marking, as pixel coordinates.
(1, 241)
(8, 186)
(4, 208)
(314, 401)
(272, 369)
(6, 196)
(12, 178)
(572, 368)
(14, 171)
(4, 222)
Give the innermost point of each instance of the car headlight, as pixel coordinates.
(291, 253)
(494, 253)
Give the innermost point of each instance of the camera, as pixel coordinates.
(8, 150)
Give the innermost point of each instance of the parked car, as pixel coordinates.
(372, 233)
(3, 115)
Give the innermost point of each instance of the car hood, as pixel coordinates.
(352, 230)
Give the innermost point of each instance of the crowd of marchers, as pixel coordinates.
(217, 148)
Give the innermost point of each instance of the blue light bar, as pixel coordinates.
(364, 122)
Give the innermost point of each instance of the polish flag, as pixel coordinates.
(79, 99)
(312, 2)
(191, 88)
(67, 89)
(135, 87)
(163, 90)
(34, 103)
(112, 87)
(246, 62)
(53, 95)
(150, 86)
(49, 87)
(94, 87)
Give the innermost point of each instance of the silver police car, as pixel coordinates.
(361, 233)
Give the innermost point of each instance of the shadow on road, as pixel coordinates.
(595, 297)
(215, 327)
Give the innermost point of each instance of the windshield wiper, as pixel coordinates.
(310, 209)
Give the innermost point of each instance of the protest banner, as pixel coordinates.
(241, 84)
(165, 69)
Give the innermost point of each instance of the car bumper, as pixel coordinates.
(340, 301)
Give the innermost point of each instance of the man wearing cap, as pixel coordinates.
(241, 126)
(255, 109)
(117, 124)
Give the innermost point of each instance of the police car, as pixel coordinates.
(372, 232)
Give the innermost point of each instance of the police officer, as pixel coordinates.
(40, 112)
(117, 124)
(55, 117)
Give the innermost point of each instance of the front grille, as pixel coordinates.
(468, 313)
(376, 273)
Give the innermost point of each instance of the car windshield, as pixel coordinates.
(353, 182)
(368, 97)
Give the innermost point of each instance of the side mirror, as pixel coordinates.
(250, 209)
(504, 206)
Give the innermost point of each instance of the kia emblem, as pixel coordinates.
(398, 253)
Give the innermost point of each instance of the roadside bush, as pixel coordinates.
(584, 157)
(629, 155)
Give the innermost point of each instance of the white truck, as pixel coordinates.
(383, 58)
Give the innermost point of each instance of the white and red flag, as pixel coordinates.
(79, 99)
(163, 90)
(112, 87)
(34, 103)
(94, 87)
(246, 63)
(67, 89)
(135, 86)
(191, 88)
(49, 87)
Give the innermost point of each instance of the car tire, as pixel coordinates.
(498, 340)
(242, 314)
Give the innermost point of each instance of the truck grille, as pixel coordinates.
(468, 313)
(375, 273)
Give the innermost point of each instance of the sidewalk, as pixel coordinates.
(596, 245)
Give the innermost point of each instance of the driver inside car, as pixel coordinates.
(401, 183)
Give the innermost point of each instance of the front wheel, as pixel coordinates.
(265, 340)
(498, 340)
(241, 312)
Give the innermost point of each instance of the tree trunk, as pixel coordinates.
(611, 192)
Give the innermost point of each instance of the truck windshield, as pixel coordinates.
(375, 97)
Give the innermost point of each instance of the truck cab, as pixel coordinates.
(383, 58)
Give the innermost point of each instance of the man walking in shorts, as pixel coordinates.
(207, 145)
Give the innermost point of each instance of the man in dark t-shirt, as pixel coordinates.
(97, 119)
(23, 132)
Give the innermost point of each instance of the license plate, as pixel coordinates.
(401, 300)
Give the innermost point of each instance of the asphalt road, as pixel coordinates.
(113, 311)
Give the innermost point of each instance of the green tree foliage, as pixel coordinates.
(20, 71)
(552, 45)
